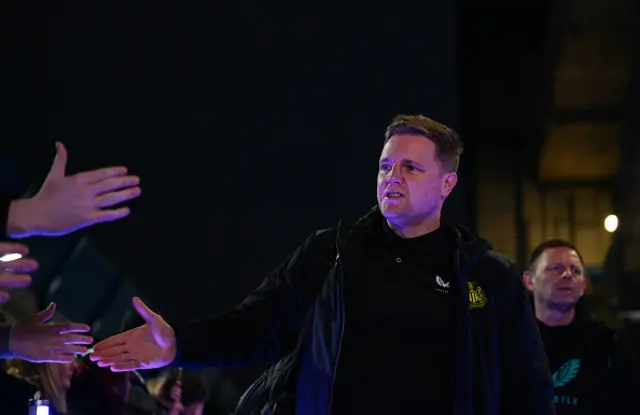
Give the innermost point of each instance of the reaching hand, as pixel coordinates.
(149, 346)
(13, 272)
(37, 342)
(67, 203)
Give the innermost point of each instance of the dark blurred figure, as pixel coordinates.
(199, 386)
(20, 380)
(594, 371)
(95, 391)
(183, 392)
(215, 408)
(78, 388)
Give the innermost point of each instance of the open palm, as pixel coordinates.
(150, 346)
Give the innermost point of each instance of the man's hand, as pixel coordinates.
(150, 346)
(37, 342)
(67, 203)
(13, 274)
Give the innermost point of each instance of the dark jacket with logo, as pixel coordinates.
(594, 372)
(296, 317)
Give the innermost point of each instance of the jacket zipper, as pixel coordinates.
(335, 366)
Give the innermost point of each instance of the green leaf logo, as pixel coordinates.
(566, 373)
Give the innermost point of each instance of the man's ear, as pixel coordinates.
(449, 182)
(527, 280)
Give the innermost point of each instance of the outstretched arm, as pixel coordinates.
(266, 324)
(262, 328)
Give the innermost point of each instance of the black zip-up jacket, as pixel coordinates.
(297, 318)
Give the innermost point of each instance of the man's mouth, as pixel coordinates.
(393, 195)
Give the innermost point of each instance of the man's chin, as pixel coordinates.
(391, 212)
(392, 206)
(564, 304)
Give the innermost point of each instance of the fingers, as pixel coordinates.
(19, 265)
(71, 349)
(114, 198)
(63, 354)
(110, 215)
(114, 183)
(59, 358)
(108, 354)
(76, 339)
(64, 328)
(104, 345)
(59, 165)
(95, 176)
(13, 248)
(144, 311)
(127, 366)
(8, 280)
(46, 314)
(111, 361)
(116, 360)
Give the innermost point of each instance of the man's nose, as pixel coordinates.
(567, 273)
(395, 175)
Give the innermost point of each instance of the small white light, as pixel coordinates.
(611, 223)
(10, 257)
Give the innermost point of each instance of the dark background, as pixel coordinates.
(253, 125)
(250, 127)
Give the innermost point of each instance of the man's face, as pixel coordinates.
(558, 278)
(411, 184)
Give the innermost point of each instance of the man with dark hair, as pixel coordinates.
(395, 313)
(592, 372)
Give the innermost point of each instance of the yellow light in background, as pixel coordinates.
(611, 223)
(10, 257)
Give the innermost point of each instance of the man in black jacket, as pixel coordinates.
(64, 204)
(392, 314)
(593, 372)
